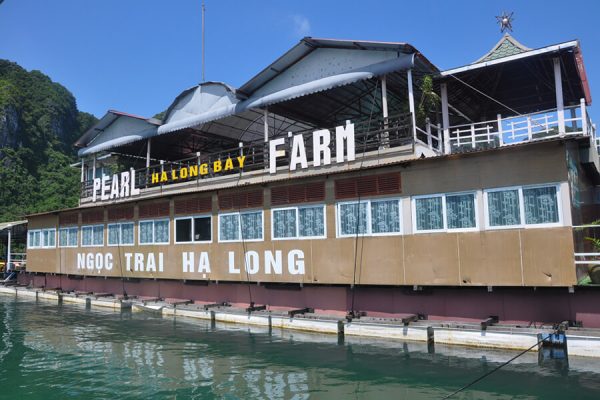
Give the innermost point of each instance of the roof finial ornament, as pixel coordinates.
(505, 21)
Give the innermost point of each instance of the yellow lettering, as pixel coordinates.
(228, 164)
(173, 175)
(155, 177)
(193, 170)
(241, 160)
(217, 167)
(183, 172)
(163, 176)
(203, 169)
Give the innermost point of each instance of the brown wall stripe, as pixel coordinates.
(195, 205)
(153, 210)
(123, 213)
(234, 201)
(303, 193)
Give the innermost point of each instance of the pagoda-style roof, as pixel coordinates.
(507, 46)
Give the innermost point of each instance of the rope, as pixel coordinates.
(495, 369)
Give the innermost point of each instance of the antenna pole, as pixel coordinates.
(203, 12)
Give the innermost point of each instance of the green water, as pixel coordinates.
(68, 352)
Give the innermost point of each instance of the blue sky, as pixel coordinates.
(137, 55)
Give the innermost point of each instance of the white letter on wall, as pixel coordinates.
(344, 134)
(273, 263)
(298, 153)
(232, 268)
(296, 262)
(321, 140)
(188, 261)
(273, 154)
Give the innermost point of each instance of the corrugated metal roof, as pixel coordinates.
(7, 225)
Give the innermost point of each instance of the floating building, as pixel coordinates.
(348, 176)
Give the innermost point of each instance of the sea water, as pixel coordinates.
(49, 351)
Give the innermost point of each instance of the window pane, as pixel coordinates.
(63, 237)
(353, 217)
(86, 236)
(98, 235)
(429, 213)
(46, 235)
(161, 231)
(146, 232)
(36, 238)
(73, 237)
(183, 230)
(284, 223)
(385, 216)
(460, 211)
(251, 225)
(202, 229)
(503, 208)
(113, 234)
(229, 227)
(127, 233)
(52, 238)
(541, 205)
(311, 221)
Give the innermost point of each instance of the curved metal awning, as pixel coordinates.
(402, 62)
(119, 141)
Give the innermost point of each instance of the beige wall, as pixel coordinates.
(507, 257)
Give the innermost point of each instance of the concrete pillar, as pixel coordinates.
(560, 106)
(445, 118)
(411, 101)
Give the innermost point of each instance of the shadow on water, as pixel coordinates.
(50, 352)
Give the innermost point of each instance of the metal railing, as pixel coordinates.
(520, 129)
(587, 253)
(369, 136)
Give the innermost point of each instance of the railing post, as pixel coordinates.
(411, 103)
(439, 136)
(428, 127)
(559, 97)
(584, 125)
(529, 133)
(472, 136)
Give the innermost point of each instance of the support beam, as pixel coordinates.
(82, 170)
(384, 103)
(266, 124)
(148, 150)
(94, 168)
(8, 250)
(560, 106)
(411, 102)
(445, 118)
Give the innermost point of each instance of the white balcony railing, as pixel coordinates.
(510, 130)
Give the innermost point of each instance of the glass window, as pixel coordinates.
(353, 218)
(127, 233)
(311, 221)
(284, 223)
(161, 231)
(48, 238)
(72, 236)
(113, 234)
(504, 207)
(202, 229)
(541, 205)
(86, 235)
(146, 232)
(429, 213)
(385, 216)
(67, 237)
(251, 225)
(98, 235)
(34, 238)
(460, 211)
(229, 227)
(183, 230)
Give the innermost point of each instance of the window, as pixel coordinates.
(440, 212)
(193, 229)
(241, 226)
(154, 231)
(92, 235)
(298, 222)
(67, 237)
(34, 239)
(120, 234)
(369, 217)
(49, 238)
(518, 206)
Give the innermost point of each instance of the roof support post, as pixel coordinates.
(584, 121)
(8, 250)
(445, 118)
(94, 168)
(82, 170)
(266, 124)
(148, 150)
(411, 102)
(384, 140)
(560, 106)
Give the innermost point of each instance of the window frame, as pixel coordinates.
(297, 209)
(239, 214)
(33, 232)
(154, 243)
(368, 201)
(192, 217)
(69, 228)
(523, 224)
(120, 241)
(413, 204)
(92, 226)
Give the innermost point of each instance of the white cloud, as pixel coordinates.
(301, 25)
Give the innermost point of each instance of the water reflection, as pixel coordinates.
(96, 354)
